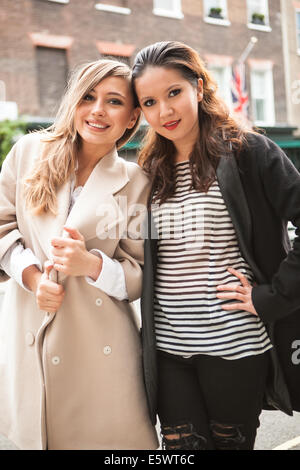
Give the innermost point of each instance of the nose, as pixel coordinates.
(98, 108)
(165, 110)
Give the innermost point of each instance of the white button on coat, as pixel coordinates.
(107, 350)
(55, 360)
(29, 338)
(98, 302)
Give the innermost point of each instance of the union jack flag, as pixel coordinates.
(239, 93)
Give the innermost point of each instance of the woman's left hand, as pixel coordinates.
(242, 293)
(71, 257)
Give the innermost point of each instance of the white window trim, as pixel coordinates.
(113, 9)
(59, 1)
(271, 104)
(167, 13)
(259, 27)
(175, 13)
(297, 10)
(217, 21)
(227, 72)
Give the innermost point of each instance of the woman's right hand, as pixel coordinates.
(49, 294)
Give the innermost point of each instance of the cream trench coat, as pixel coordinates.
(73, 380)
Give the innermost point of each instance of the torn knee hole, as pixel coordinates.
(227, 436)
(183, 436)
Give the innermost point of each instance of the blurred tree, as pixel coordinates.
(10, 131)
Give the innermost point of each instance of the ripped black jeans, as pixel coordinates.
(210, 403)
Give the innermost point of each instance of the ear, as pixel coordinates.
(134, 117)
(200, 89)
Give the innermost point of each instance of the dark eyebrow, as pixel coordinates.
(169, 88)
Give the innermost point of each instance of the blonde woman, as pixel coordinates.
(70, 208)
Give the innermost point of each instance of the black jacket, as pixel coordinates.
(261, 189)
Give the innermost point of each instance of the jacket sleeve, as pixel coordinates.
(282, 188)
(111, 279)
(16, 259)
(9, 232)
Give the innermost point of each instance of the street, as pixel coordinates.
(275, 429)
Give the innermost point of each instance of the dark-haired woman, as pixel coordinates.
(218, 267)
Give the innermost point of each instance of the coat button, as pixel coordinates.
(98, 302)
(107, 350)
(55, 360)
(30, 338)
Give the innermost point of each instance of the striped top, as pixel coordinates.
(196, 245)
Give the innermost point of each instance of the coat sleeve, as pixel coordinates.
(282, 188)
(9, 232)
(130, 250)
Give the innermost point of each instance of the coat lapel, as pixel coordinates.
(96, 212)
(48, 226)
(236, 202)
(234, 196)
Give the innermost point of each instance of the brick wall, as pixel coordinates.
(80, 21)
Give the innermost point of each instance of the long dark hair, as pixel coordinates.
(219, 134)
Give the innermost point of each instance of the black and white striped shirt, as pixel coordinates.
(196, 245)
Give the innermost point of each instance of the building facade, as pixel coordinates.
(41, 41)
(291, 47)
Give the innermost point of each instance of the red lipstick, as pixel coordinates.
(171, 125)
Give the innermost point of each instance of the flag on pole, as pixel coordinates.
(239, 93)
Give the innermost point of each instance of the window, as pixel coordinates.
(114, 6)
(8, 109)
(168, 8)
(2, 91)
(52, 71)
(262, 95)
(258, 14)
(222, 75)
(298, 29)
(215, 11)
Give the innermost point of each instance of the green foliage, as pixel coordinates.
(215, 11)
(9, 132)
(258, 18)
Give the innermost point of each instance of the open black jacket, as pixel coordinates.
(261, 189)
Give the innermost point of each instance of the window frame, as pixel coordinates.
(267, 69)
(260, 27)
(297, 11)
(217, 21)
(112, 8)
(227, 73)
(176, 11)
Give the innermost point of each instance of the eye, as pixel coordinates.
(175, 92)
(115, 101)
(149, 103)
(88, 97)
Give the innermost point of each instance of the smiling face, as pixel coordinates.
(104, 114)
(170, 104)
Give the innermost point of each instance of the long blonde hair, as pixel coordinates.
(57, 160)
